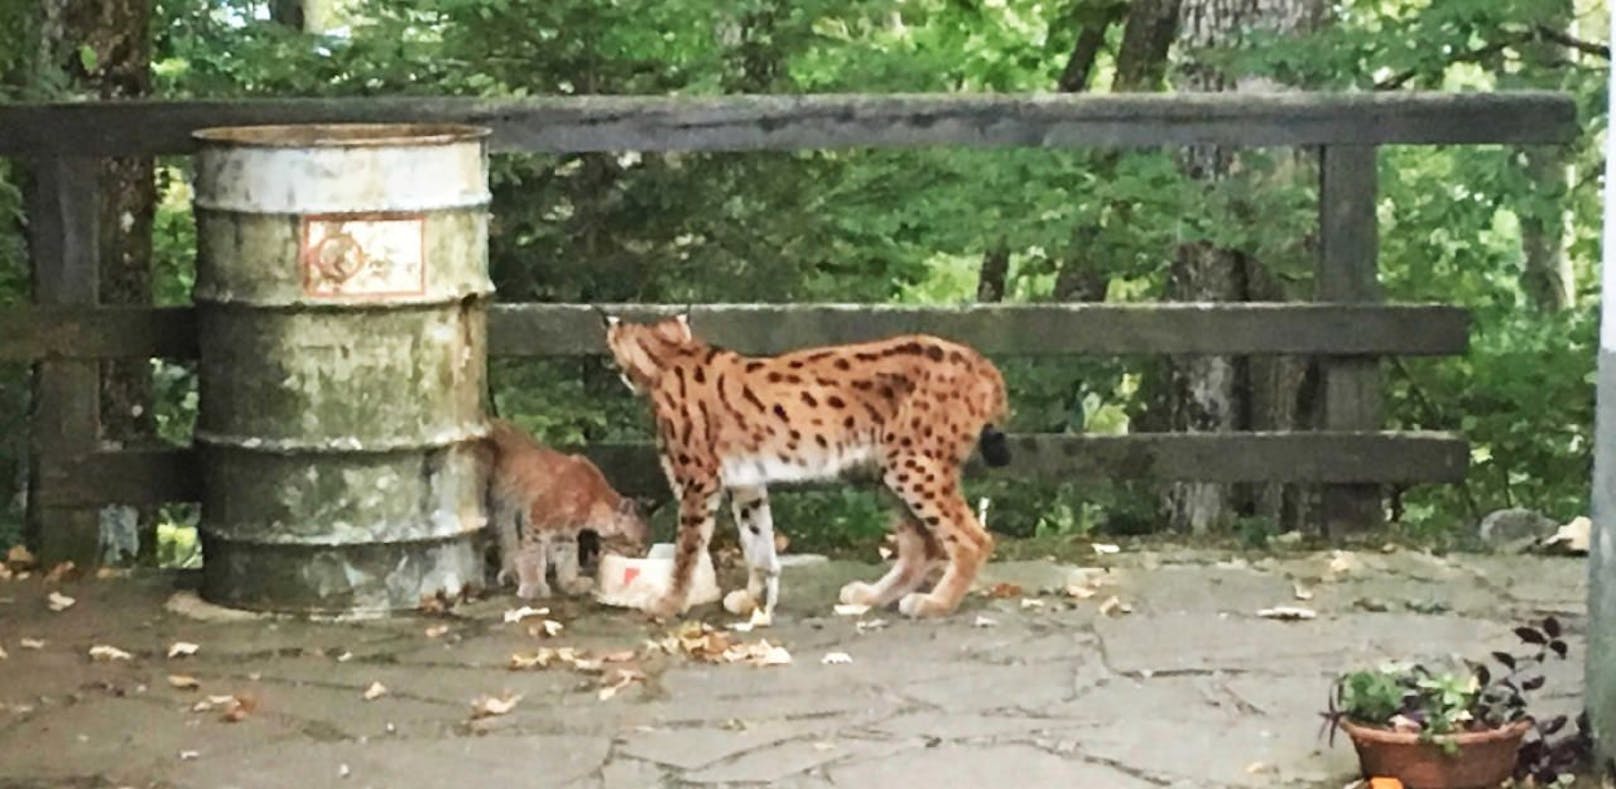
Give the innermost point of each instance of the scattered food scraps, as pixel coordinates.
(1302, 592)
(836, 658)
(375, 691)
(549, 628)
(1081, 591)
(1288, 612)
(1113, 606)
(436, 630)
(186, 756)
(60, 572)
(183, 682)
(3, 654)
(866, 625)
(105, 573)
(59, 602)
(182, 649)
(32, 643)
(1104, 548)
(851, 609)
(1031, 602)
(982, 621)
(1002, 590)
(518, 614)
(104, 652)
(489, 706)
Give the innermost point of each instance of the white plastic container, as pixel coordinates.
(629, 582)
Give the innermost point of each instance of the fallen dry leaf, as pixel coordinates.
(1301, 592)
(982, 621)
(1081, 591)
(1341, 563)
(375, 691)
(1575, 536)
(1258, 767)
(489, 706)
(59, 602)
(865, 625)
(620, 656)
(105, 573)
(436, 630)
(239, 707)
(769, 655)
(105, 652)
(3, 654)
(186, 756)
(31, 643)
(1287, 612)
(182, 649)
(549, 628)
(1113, 606)
(19, 558)
(5, 572)
(1104, 548)
(619, 679)
(183, 682)
(1031, 602)
(836, 658)
(851, 609)
(60, 572)
(518, 614)
(1002, 590)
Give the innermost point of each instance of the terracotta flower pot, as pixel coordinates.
(1484, 759)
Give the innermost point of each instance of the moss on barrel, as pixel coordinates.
(341, 292)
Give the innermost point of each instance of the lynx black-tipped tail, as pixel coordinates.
(995, 447)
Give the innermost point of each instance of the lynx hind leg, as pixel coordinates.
(918, 554)
(532, 562)
(942, 514)
(564, 552)
(755, 523)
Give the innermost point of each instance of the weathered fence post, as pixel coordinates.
(1347, 272)
(62, 236)
(1600, 672)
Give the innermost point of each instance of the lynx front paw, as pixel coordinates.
(740, 602)
(532, 591)
(920, 606)
(859, 593)
(665, 606)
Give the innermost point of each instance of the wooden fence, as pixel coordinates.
(67, 333)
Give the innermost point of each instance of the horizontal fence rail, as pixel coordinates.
(750, 123)
(1022, 330)
(156, 476)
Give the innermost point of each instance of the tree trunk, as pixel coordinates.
(1213, 393)
(104, 50)
(1146, 37)
(1074, 77)
(1548, 279)
(309, 16)
(990, 283)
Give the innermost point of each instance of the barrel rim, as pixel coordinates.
(341, 135)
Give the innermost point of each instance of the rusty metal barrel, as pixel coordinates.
(341, 292)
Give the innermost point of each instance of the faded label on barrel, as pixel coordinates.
(348, 256)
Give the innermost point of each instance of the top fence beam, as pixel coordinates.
(750, 123)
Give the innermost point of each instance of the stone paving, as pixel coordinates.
(1177, 683)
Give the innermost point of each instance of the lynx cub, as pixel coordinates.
(539, 500)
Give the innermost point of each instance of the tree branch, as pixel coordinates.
(1549, 34)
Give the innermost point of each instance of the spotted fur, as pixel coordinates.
(910, 408)
(539, 502)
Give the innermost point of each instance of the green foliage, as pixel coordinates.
(912, 226)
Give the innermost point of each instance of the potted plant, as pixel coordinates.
(1461, 725)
